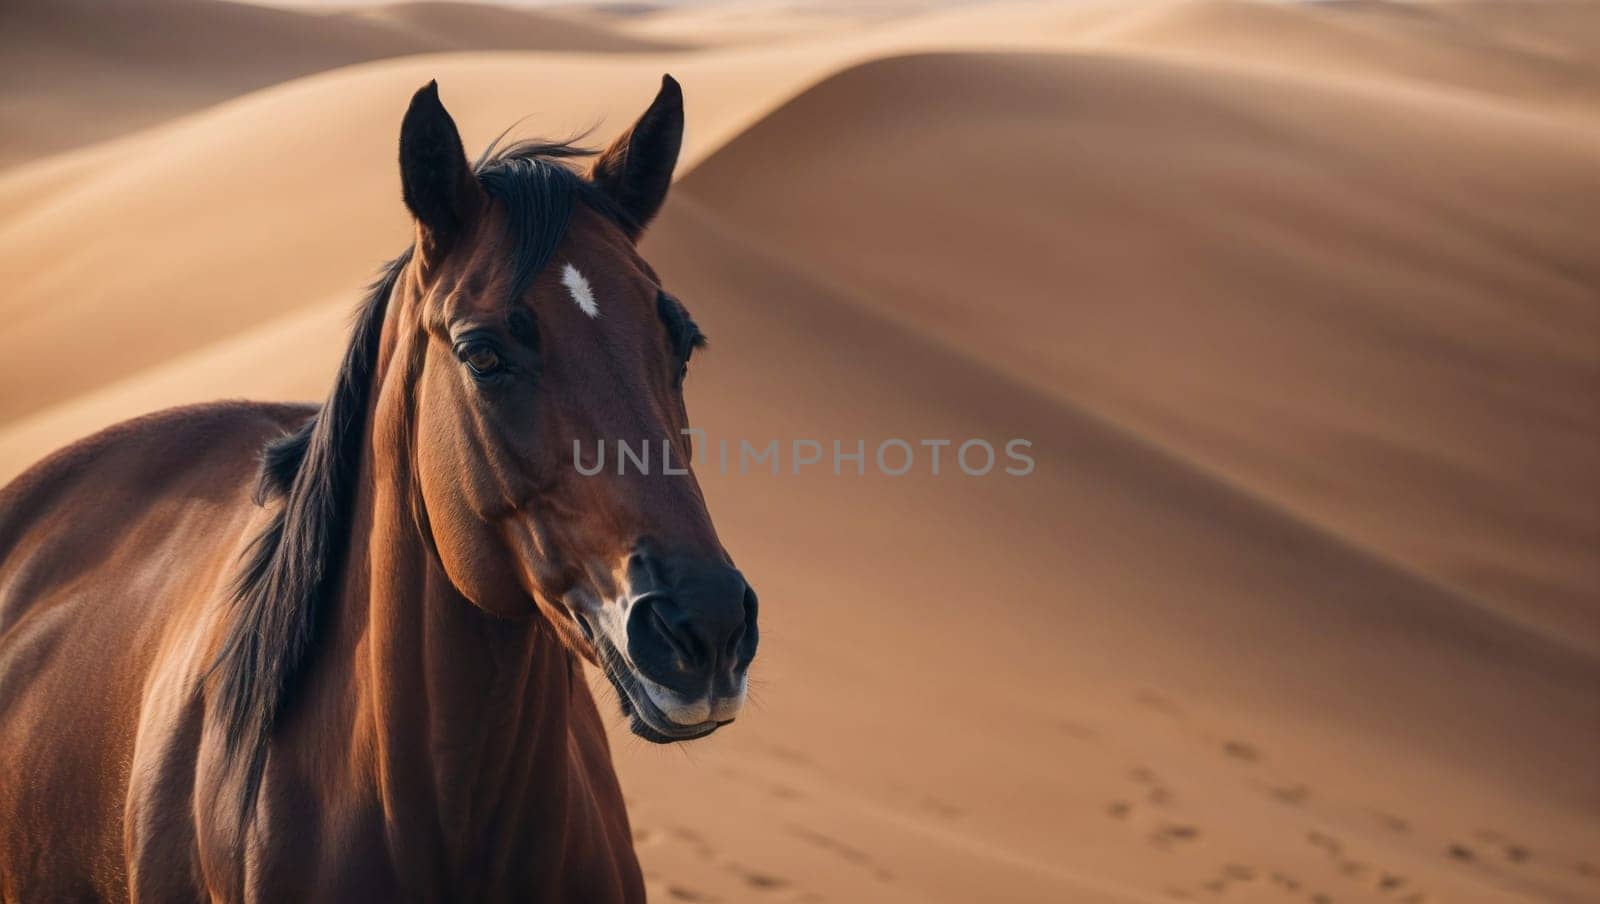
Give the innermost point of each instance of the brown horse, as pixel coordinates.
(346, 668)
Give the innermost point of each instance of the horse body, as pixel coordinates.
(114, 562)
(389, 780)
(255, 652)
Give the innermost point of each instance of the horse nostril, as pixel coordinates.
(694, 630)
(747, 629)
(730, 650)
(750, 605)
(682, 642)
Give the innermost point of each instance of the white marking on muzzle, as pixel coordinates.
(581, 293)
(674, 705)
(728, 707)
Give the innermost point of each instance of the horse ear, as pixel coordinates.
(636, 170)
(435, 177)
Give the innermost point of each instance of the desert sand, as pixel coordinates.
(1299, 306)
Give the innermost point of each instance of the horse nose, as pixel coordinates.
(705, 626)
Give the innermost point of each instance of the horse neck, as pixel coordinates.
(469, 713)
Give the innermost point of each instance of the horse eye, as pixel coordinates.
(481, 359)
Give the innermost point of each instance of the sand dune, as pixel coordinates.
(1300, 602)
(223, 171)
(1055, 598)
(1233, 294)
(1538, 53)
(482, 26)
(84, 70)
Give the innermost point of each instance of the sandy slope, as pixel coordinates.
(82, 70)
(1536, 53)
(222, 172)
(1300, 603)
(1247, 680)
(1234, 293)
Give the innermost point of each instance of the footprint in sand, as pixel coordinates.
(1511, 850)
(1329, 844)
(1169, 834)
(853, 855)
(758, 880)
(1240, 872)
(1158, 702)
(692, 839)
(684, 893)
(1242, 751)
(1353, 869)
(1232, 874)
(1294, 795)
(764, 882)
(1237, 874)
(1158, 793)
(1392, 822)
(1370, 875)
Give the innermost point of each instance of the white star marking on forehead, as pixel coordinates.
(579, 287)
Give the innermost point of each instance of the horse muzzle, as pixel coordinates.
(678, 646)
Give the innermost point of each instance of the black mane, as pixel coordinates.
(291, 569)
